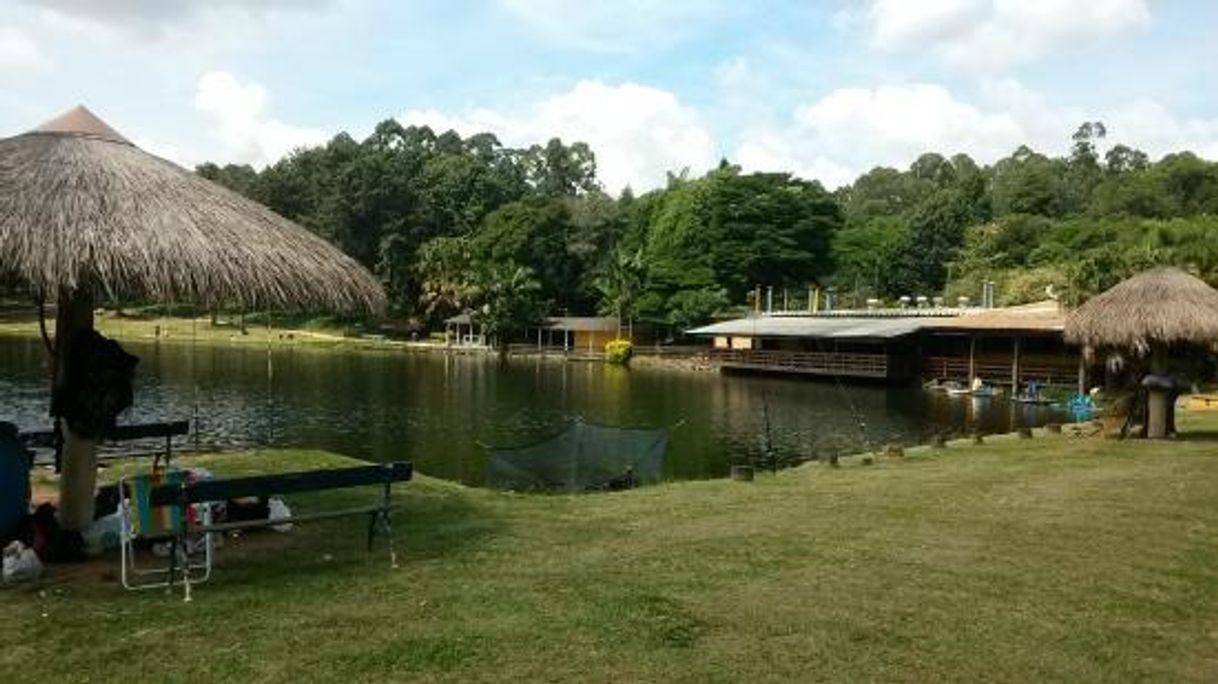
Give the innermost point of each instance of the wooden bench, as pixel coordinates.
(188, 493)
(52, 439)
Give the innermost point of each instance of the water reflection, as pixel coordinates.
(436, 409)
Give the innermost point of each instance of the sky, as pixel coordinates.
(825, 89)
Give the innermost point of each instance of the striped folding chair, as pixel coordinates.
(142, 522)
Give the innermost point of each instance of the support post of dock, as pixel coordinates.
(972, 358)
(1015, 369)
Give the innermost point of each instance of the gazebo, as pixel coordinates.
(1146, 315)
(86, 216)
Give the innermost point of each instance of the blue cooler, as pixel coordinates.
(14, 481)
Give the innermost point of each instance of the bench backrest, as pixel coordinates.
(284, 483)
(120, 433)
(175, 428)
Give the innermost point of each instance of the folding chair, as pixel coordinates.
(166, 524)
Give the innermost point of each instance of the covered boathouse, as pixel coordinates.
(1007, 346)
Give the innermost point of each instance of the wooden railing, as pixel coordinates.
(814, 363)
(1063, 372)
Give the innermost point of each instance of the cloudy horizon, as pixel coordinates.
(826, 91)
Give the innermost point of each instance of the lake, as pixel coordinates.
(437, 409)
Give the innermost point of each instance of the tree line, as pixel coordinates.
(454, 225)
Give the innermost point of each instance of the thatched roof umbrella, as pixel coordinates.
(83, 208)
(85, 214)
(1147, 314)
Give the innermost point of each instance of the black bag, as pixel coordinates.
(100, 385)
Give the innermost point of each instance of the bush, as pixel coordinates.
(618, 351)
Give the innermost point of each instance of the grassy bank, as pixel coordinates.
(135, 324)
(1051, 559)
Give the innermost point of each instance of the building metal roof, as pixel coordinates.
(882, 324)
(568, 323)
(840, 327)
(583, 323)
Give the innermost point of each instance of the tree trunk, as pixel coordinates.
(79, 475)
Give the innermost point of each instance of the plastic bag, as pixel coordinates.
(278, 510)
(21, 564)
(104, 534)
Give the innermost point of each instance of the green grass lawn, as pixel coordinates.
(22, 321)
(1055, 558)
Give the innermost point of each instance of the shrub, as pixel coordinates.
(618, 351)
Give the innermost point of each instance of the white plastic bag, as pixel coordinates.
(21, 564)
(103, 534)
(278, 510)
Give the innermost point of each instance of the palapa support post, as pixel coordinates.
(1157, 392)
(78, 479)
(1082, 373)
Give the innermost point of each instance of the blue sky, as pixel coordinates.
(825, 89)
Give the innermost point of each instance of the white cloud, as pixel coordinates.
(851, 130)
(1150, 126)
(637, 132)
(167, 151)
(242, 123)
(18, 52)
(475, 121)
(989, 35)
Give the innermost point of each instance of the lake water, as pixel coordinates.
(436, 409)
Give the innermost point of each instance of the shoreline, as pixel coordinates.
(177, 330)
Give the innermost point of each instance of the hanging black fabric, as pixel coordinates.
(100, 385)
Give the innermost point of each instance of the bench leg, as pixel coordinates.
(186, 578)
(173, 565)
(379, 524)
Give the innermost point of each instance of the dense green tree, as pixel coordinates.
(1028, 182)
(239, 177)
(864, 255)
(619, 283)
(507, 301)
(452, 223)
(537, 233)
(445, 274)
(558, 170)
(936, 233)
(882, 192)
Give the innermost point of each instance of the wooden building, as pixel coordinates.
(1006, 346)
(586, 333)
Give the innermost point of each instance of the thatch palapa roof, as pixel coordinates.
(81, 207)
(1160, 306)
